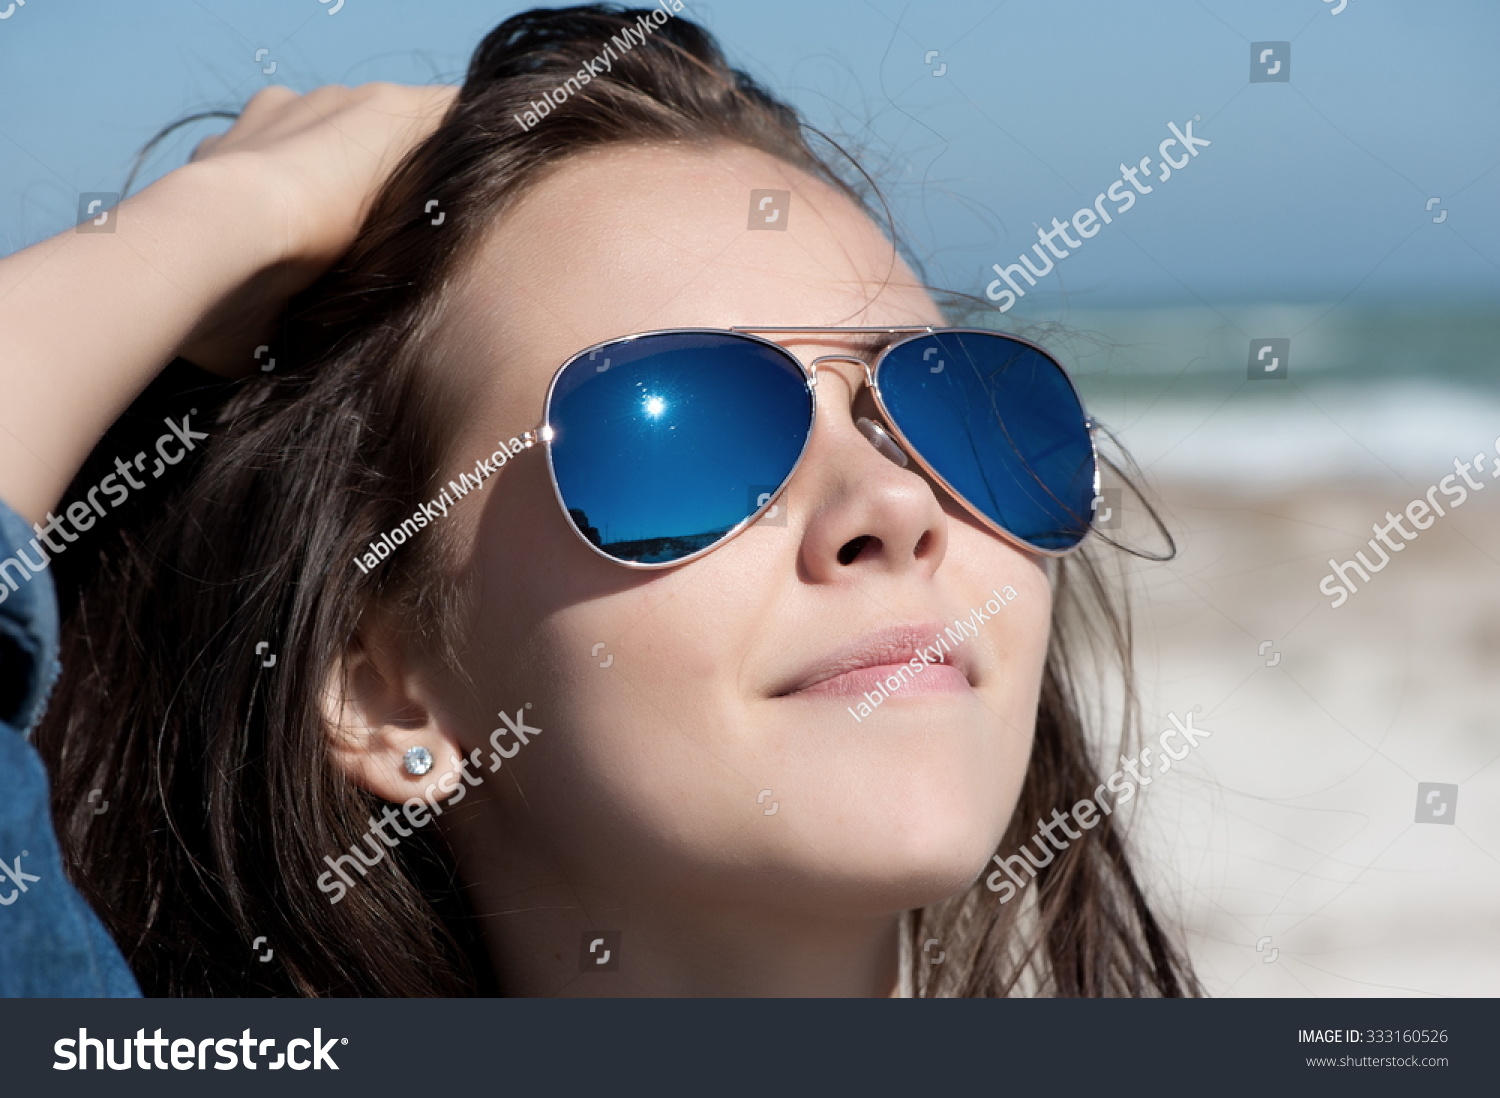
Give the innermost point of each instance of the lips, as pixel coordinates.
(860, 666)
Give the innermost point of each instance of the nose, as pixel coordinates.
(866, 514)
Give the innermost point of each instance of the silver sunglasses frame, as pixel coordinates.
(543, 433)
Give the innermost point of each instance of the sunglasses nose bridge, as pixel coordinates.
(816, 363)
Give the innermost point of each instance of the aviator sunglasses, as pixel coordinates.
(664, 445)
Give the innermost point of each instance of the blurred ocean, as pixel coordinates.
(1291, 848)
(1370, 392)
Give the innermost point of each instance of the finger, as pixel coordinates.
(267, 99)
(204, 147)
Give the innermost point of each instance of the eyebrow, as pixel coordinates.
(880, 343)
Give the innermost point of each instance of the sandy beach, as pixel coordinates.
(1287, 845)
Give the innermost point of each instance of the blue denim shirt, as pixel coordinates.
(51, 943)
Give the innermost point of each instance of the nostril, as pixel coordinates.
(851, 549)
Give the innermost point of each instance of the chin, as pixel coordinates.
(879, 858)
(938, 825)
(935, 859)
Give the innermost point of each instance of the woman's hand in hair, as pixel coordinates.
(316, 162)
(198, 264)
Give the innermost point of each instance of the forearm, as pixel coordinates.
(87, 319)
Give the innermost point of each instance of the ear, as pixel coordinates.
(378, 706)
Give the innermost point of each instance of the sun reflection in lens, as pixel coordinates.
(655, 406)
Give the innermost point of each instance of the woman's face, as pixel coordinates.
(694, 754)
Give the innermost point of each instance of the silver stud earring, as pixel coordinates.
(418, 760)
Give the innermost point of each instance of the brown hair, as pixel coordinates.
(224, 795)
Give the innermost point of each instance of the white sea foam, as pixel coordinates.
(1407, 430)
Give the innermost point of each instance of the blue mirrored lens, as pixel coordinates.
(1000, 422)
(663, 444)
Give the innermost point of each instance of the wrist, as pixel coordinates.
(226, 199)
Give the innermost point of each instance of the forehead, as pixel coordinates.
(630, 239)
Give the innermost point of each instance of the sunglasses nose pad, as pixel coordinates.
(881, 440)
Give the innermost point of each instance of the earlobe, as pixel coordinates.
(382, 727)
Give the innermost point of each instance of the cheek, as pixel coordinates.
(636, 680)
(1012, 590)
(657, 750)
(1018, 635)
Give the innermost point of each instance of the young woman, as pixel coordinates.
(536, 614)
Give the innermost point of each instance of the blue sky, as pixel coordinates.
(1314, 189)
